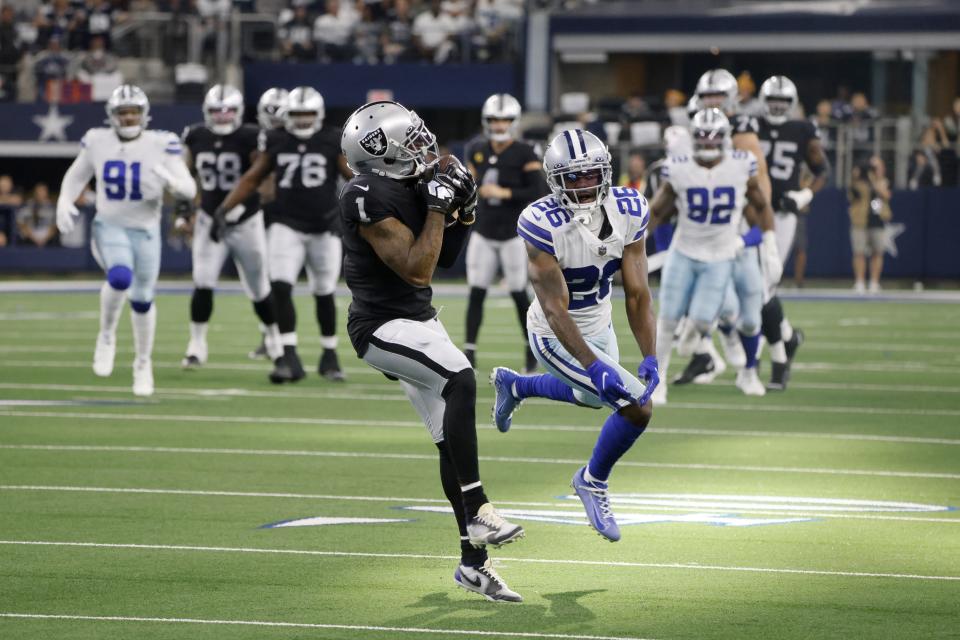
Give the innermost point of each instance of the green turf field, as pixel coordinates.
(150, 512)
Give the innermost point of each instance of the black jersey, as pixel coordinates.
(306, 178)
(742, 123)
(218, 163)
(497, 219)
(785, 148)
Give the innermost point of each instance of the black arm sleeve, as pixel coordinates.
(533, 188)
(454, 237)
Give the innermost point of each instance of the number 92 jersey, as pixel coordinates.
(587, 261)
(129, 193)
(710, 203)
(218, 163)
(306, 178)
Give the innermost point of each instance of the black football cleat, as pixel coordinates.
(288, 367)
(700, 363)
(778, 376)
(329, 366)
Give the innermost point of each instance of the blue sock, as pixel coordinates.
(751, 344)
(542, 386)
(616, 438)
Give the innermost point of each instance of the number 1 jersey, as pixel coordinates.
(587, 261)
(709, 203)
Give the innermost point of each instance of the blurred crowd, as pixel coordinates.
(30, 219)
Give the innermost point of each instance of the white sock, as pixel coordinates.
(588, 476)
(198, 332)
(289, 339)
(786, 330)
(328, 342)
(144, 328)
(778, 352)
(272, 341)
(705, 345)
(111, 306)
(664, 346)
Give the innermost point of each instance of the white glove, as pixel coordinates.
(770, 261)
(67, 215)
(800, 197)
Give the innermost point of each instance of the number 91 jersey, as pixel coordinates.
(218, 163)
(129, 193)
(587, 261)
(709, 203)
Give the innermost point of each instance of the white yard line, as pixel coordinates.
(511, 503)
(309, 625)
(512, 459)
(418, 556)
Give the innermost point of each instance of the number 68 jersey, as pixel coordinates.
(709, 203)
(219, 161)
(129, 193)
(589, 253)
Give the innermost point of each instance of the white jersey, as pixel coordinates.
(709, 203)
(588, 263)
(129, 192)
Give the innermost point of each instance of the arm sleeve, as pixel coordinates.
(454, 238)
(76, 177)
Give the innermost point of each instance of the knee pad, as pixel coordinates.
(140, 307)
(120, 277)
(462, 384)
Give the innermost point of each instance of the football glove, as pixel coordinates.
(440, 193)
(649, 376)
(182, 212)
(67, 216)
(770, 262)
(795, 201)
(607, 382)
(219, 227)
(750, 239)
(468, 210)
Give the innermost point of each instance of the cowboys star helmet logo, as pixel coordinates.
(374, 143)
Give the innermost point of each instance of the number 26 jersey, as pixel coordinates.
(587, 261)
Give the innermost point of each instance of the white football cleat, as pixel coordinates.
(485, 581)
(142, 378)
(748, 381)
(659, 395)
(104, 354)
(733, 351)
(489, 527)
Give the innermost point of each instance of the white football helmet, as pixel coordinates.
(303, 112)
(387, 139)
(579, 171)
(501, 106)
(270, 108)
(717, 88)
(128, 96)
(779, 98)
(710, 130)
(223, 109)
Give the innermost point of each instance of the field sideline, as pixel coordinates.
(224, 507)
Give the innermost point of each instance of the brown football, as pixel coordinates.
(444, 163)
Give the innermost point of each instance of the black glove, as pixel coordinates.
(468, 210)
(182, 210)
(788, 205)
(466, 191)
(439, 192)
(219, 227)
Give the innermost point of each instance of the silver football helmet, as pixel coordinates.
(579, 172)
(223, 109)
(303, 112)
(387, 139)
(270, 108)
(501, 106)
(128, 96)
(717, 88)
(779, 98)
(710, 130)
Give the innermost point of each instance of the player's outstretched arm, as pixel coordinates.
(750, 141)
(551, 289)
(770, 260)
(819, 165)
(639, 301)
(176, 177)
(660, 209)
(413, 259)
(74, 181)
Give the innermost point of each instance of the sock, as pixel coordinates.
(460, 434)
(326, 310)
(111, 306)
(272, 341)
(144, 327)
(201, 305)
(474, 316)
(266, 310)
(542, 386)
(786, 329)
(704, 346)
(473, 499)
(198, 332)
(522, 302)
(778, 352)
(451, 488)
(289, 339)
(665, 329)
(771, 316)
(751, 345)
(286, 312)
(616, 437)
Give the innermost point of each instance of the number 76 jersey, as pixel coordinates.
(587, 261)
(709, 203)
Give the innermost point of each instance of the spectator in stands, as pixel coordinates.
(366, 37)
(176, 31)
(924, 170)
(861, 119)
(840, 106)
(747, 95)
(869, 213)
(55, 20)
(95, 19)
(397, 38)
(675, 102)
(635, 109)
(10, 54)
(949, 149)
(635, 176)
(495, 22)
(37, 218)
(332, 31)
(50, 70)
(951, 123)
(433, 32)
(213, 15)
(296, 37)
(10, 199)
(245, 6)
(95, 61)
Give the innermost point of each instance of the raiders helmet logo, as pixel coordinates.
(374, 143)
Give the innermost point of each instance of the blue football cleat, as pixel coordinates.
(596, 501)
(504, 403)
